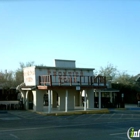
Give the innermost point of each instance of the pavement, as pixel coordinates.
(80, 110)
(132, 107)
(21, 125)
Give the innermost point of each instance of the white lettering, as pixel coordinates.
(136, 134)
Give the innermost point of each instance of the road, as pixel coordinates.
(28, 125)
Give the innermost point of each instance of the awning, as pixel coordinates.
(107, 90)
(28, 88)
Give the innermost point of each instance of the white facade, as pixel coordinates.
(31, 75)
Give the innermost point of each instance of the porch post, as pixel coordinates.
(85, 100)
(49, 100)
(111, 98)
(99, 99)
(66, 101)
(80, 99)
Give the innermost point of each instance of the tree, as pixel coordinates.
(7, 79)
(10, 79)
(28, 64)
(125, 79)
(137, 82)
(109, 71)
(1, 78)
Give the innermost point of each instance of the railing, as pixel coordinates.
(50, 80)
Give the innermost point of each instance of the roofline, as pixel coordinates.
(107, 90)
(64, 68)
(64, 60)
(30, 67)
(138, 76)
(53, 67)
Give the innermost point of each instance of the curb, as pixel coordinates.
(104, 111)
(121, 109)
(133, 108)
(125, 109)
(1, 111)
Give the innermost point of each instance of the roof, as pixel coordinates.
(47, 67)
(64, 60)
(138, 78)
(108, 90)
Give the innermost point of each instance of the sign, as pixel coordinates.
(131, 133)
(77, 87)
(64, 73)
(68, 76)
(29, 76)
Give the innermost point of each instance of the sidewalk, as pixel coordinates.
(80, 110)
(132, 107)
(77, 110)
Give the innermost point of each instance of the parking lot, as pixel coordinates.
(29, 125)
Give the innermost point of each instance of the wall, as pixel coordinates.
(31, 75)
(66, 75)
(65, 63)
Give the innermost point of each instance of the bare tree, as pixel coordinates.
(109, 71)
(7, 79)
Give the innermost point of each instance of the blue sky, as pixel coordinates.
(92, 32)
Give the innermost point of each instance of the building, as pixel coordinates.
(64, 86)
(8, 98)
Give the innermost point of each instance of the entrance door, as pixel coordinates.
(30, 99)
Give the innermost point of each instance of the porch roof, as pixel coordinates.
(108, 90)
(69, 87)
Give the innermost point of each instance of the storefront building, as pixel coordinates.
(64, 86)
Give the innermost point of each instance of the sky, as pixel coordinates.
(95, 33)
